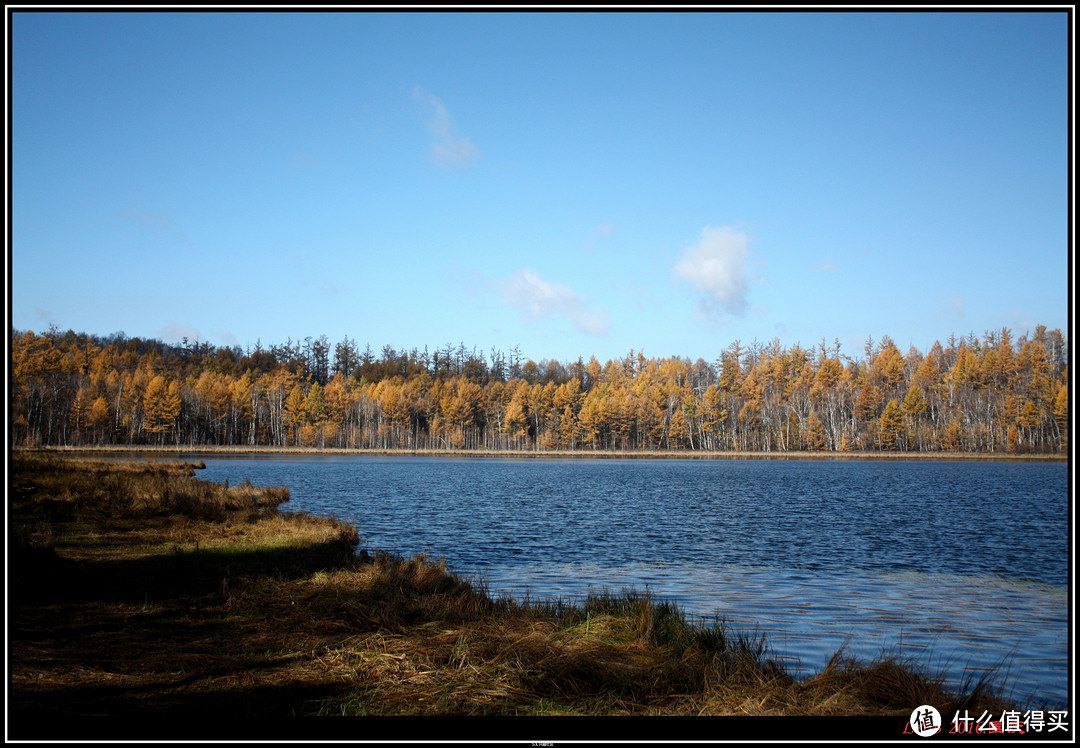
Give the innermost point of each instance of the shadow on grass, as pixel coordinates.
(153, 713)
(39, 574)
(111, 645)
(122, 591)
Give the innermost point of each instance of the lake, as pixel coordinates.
(961, 566)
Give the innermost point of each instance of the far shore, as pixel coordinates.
(233, 450)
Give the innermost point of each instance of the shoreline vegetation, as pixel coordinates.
(139, 592)
(997, 394)
(235, 450)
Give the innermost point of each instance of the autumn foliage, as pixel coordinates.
(996, 395)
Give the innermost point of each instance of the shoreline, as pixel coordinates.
(304, 627)
(234, 450)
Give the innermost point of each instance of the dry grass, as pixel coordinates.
(136, 589)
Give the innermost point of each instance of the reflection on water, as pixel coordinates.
(961, 566)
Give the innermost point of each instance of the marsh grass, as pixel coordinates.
(136, 588)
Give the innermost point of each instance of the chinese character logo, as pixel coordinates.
(926, 721)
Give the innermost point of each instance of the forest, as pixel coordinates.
(994, 394)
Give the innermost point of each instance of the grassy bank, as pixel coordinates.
(137, 589)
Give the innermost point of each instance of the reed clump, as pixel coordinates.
(137, 589)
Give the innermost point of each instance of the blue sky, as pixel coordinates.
(571, 184)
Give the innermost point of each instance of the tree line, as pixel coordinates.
(991, 394)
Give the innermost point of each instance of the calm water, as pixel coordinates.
(962, 566)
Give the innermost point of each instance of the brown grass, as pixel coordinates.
(136, 589)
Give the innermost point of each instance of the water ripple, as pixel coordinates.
(963, 564)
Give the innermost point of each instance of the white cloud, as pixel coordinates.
(227, 338)
(175, 332)
(539, 299)
(715, 267)
(600, 235)
(448, 149)
(950, 309)
(153, 224)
